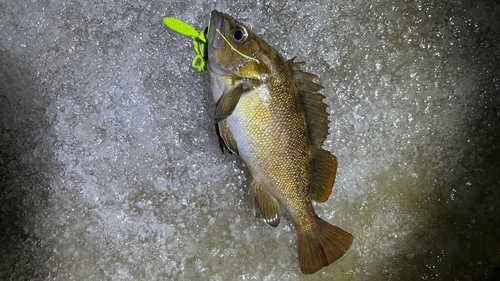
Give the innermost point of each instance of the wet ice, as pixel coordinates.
(110, 167)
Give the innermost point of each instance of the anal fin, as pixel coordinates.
(323, 171)
(267, 204)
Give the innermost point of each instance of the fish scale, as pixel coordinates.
(288, 178)
(269, 112)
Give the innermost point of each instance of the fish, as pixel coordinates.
(269, 113)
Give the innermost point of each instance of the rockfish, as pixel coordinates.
(269, 113)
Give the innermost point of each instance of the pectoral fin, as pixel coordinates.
(228, 101)
(267, 204)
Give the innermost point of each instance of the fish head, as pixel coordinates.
(234, 50)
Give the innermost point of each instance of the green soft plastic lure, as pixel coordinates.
(199, 40)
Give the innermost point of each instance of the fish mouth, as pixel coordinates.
(215, 43)
(216, 22)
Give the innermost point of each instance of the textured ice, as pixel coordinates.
(110, 168)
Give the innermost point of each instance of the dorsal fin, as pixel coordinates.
(323, 163)
(323, 171)
(312, 103)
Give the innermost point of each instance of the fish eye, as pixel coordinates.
(239, 34)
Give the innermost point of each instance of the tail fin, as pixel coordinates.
(322, 246)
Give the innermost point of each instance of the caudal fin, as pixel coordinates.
(322, 246)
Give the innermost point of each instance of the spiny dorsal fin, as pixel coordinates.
(323, 163)
(312, 103)
(267, 204)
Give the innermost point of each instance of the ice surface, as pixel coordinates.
(110, 168)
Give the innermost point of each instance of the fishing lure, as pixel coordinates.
(199, 40)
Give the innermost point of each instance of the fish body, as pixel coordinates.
(268, 112)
